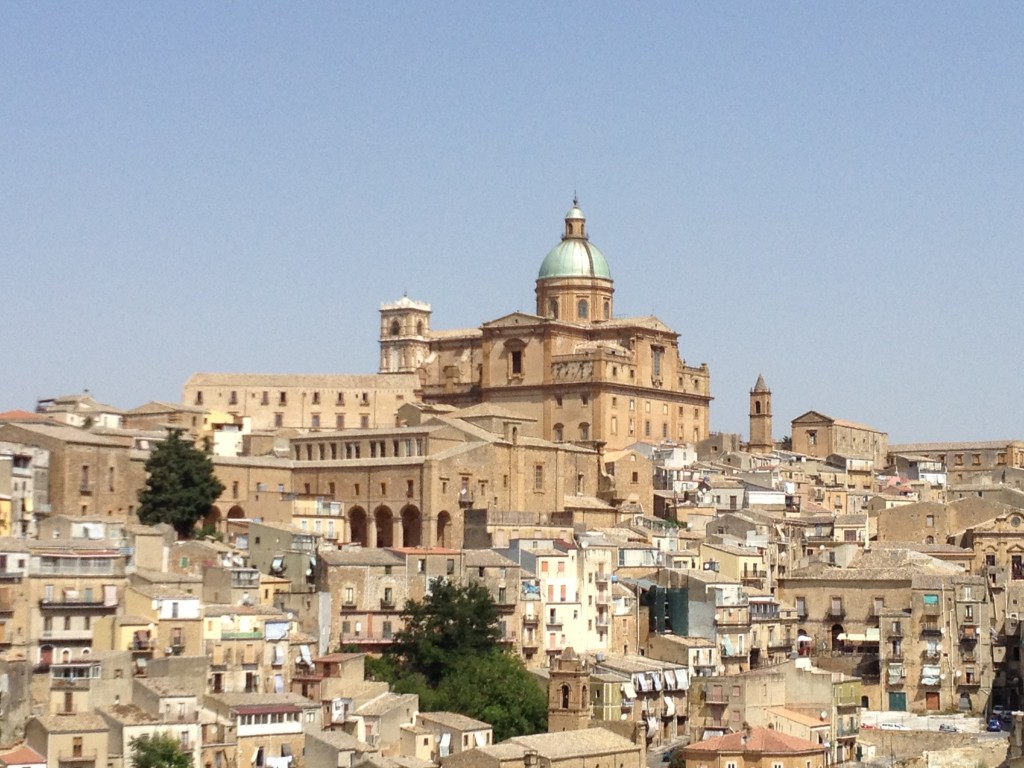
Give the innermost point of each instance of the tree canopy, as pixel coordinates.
(448, 654)
(180, 486)
(160, 750)
(450, 623)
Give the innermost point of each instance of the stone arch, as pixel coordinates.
(419, 327)
(384, 519)
(444, 529)
(213, 517)
(565, 697)
(236, 513)
(357, 526)
(412, 526)
(837, 630)
(395, 328)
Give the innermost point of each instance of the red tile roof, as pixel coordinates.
(763, 740)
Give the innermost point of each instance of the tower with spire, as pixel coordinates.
(761, 418)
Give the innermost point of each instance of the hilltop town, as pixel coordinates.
(783, 596)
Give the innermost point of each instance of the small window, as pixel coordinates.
(517, 362)
(582, 309)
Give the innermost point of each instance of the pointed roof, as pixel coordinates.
(760, 386)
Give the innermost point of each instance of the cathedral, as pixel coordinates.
(580, 372)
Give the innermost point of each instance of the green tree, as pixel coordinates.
(450, 623)
(158, 751)
(180, 486)
(448, 654)
(496, 688)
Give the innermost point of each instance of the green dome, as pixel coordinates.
(575, 257)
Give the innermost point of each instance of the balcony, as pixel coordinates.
(717, 697)
(780, 643)
(141, 646)
(530, 642)
(553, 623)
(835, 611)
(730, 652)
(895, 630)
(70, 683)
(77, 758)
(732, 618)
(969, 657)
(603, 620)
(753, 577)
(603, 596)
(969, 682)
(895, 654)
(968, 634)
(74, 604)
(387, 603)
(602, 578)
(931, 628)
(531, 619)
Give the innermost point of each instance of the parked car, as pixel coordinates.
(994, 724)
(949, 728)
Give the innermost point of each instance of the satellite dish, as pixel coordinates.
(823, 715)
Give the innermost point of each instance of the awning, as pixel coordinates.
(656, 680)
(480, 738)
(803, 638)
(652, 727)
(642, 683)
(895, 673)
(670, 706)
(682, 680)
(930, 674)
(670, 680)
(277, 564)
(628, 692)
(873, 634)
(304, 654)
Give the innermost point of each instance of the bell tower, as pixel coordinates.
(404, 335)
(761, 418)
(568, 694)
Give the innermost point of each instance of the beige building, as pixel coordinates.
(818, 435)
(303, 401)
(79, 740)
(580, 372)
(966, 462)
(570, 749)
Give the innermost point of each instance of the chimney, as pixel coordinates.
(530, 759)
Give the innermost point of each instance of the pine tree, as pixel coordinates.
(181, 485)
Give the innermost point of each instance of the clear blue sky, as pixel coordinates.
(828, 193)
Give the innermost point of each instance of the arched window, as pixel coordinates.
(607, 310)
(582, 309)
(584, 431)
(559, 433)
(395, 328)
(757, 408)
(929, 539)
(565, 697)
(553, 308)
(419, 328)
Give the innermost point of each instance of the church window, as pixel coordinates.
(757, 408)
(565, 697)
(419, 328)
(553, 308)
(517, 362)
(538, 477)
(584, 431)
(582, 309)
(395, 328)
(632, 404)
(657, 353)
(615, 425)
(559, 435)
(607, 309)
(812, 437)
(199, 398)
